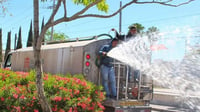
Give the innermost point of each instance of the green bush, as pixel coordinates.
(64, 93)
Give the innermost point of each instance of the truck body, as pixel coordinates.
(78, 57)
(64, 58)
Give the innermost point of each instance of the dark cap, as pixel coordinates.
(132, 27)
(114, 39)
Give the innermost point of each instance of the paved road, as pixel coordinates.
(163, 108)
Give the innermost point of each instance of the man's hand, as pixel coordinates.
(104, 53)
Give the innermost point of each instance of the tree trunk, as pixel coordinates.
(39, 82)
(37, 47)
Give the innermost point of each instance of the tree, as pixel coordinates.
(8, 45)
(43, 40)
(56, 36)
(1, 45)
(152, 29)
(152, 34)
(19, 41)
(15, 46)
(30, 36)
(88, 4)
(139, 27)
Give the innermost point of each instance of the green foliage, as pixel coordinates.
(43, 40)
(152, 29)
(56, 36)
(71, 93)
(1, 45)
(152, 33)
(19, 41)
(30, 36)
(102, 5)
(8, 45)
(139, 27)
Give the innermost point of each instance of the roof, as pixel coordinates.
(61, 45)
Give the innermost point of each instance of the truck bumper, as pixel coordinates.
(128, 109)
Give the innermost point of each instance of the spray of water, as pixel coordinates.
(181, 76)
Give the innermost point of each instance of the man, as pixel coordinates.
(107, 70)
(132, 32)
(133, 75)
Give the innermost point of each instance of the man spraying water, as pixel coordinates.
(107, 69)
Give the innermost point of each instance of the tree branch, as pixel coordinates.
(107, 16)
(65, 8)
(167, 3)
(135, 2)
(55, 10)
(85, 9)
(63, 19)
(78, 15)
(49, 23)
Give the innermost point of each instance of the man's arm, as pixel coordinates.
(103, 50)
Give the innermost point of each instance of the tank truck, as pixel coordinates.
(79, 56)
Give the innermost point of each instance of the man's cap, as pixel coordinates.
(114, 39)
(132, 27)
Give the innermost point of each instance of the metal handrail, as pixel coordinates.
(80, 39)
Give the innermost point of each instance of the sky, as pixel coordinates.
(178, 25)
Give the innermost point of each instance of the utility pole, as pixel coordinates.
(120, 18)
(52, 21)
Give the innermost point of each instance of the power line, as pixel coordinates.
(155, 20)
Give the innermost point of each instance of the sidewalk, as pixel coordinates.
(163, 108)
(168, 100)
(172, 91)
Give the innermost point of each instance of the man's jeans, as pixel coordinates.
(108, 76)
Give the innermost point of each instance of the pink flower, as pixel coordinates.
(89, 99)
(57, 98)
(17, 89)
(78, 81)
(76, 92)
(45, 77)
(83, 105)
(2, 99)
(18, 109)
(34, 98)
(101, 106)
(91, 108)
(70, 110)
(83, 83)
(68, 98)
(22, 97)
(35, 110)
(55, 108)
(15, 96)
(61, 110)
(79, 98)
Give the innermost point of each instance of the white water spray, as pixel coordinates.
(180, 76)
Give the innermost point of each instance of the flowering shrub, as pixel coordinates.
(18, 93)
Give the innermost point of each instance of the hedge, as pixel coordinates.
(67, 93)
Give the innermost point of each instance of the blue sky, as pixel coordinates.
(183, 21)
